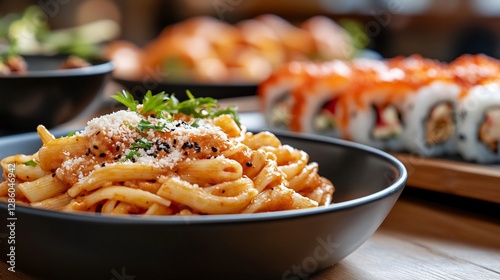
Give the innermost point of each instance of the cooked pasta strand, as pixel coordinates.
(195, 197)
(42, 188)
(115, 173)
(54, 203)
(220, 170)
(52, 154)
(44, 134)
(123, 194)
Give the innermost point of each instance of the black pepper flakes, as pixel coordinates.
(117, 148)
(214, 149)
(103, 164)
(187, 145)
(95, 147)
(249, 164)
(88, 152)
(98, 133)
(102, 155)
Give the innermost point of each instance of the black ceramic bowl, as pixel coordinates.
(276, 245)
(218, 91)
(47, 95)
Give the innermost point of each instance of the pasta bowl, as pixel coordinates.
(46, 94)
(276, 245)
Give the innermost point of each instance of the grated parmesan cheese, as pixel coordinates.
(123, 142)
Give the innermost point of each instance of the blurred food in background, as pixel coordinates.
(28, 33)
(206, 50)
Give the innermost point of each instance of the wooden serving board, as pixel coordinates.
(453, 177)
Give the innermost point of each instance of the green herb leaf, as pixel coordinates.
(144, 125)
(72, 133)
(30, 163)
(139, 144)
(153, 103)
(126, 99)
(195, 123)
(166, 106)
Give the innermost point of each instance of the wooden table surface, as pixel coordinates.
(427, 235)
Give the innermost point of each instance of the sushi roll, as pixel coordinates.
(319, 99)
(430, 119)
(479, 108)
(479, 124)
(375, 108)
(275, 93)
(429, 113)
(279, 92)
(322, 104)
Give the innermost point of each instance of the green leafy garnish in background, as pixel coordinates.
(29, 33)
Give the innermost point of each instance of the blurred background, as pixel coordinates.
(436, 29)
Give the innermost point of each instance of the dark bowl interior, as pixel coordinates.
(47, 95)
(218, 91)
(279, 245)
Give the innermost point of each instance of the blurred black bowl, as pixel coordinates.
(139, 87)
(48, 95)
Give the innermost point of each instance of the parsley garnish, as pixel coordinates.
(30, 163)
(72, 133)
(139, 144)
(165, 106)
(153, 103)
(127, 99)
(144, 125)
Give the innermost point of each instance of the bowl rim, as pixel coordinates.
(398, 184)
(99, 66)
